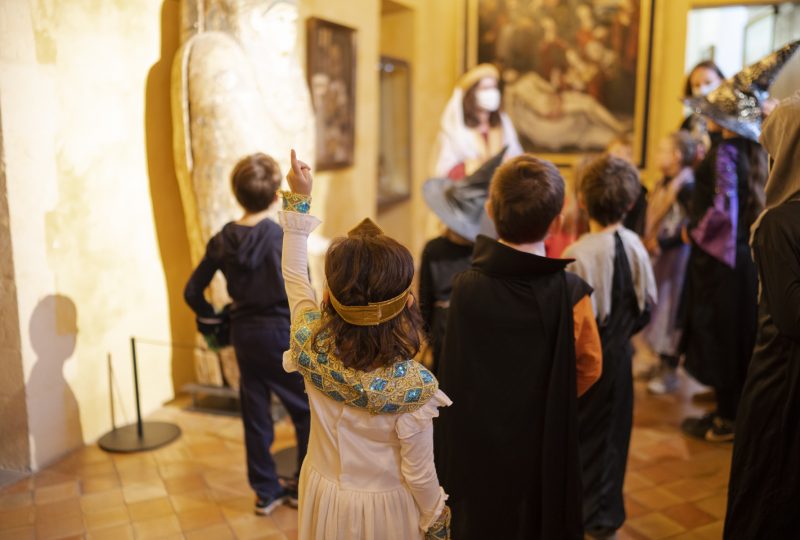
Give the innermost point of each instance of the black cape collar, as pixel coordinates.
(494, 258)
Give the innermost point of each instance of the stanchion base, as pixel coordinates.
(126, 439)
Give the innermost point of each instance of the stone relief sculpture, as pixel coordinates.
(237, 88)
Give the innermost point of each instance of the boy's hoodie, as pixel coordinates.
(250, 259)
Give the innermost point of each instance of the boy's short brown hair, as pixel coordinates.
(255, 180)
(526, 196)
(609, 188)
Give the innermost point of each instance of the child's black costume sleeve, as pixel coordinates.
(198, 282)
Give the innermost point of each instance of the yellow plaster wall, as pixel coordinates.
(14, 446)
(397, 36)
(345, 196)
(429, 35)
(73, 79)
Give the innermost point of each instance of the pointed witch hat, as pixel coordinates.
(736, 103)
(459, 203)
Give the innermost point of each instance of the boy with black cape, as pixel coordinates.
(521, 344)
(613, 260)
(721, 290)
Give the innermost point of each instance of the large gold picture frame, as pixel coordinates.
(575, 73)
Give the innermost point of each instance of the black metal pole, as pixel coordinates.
(139, 429)
(142, 435)
(111, 391)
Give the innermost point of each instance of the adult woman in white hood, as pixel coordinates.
(473, 127)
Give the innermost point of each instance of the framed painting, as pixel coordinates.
(331, 69)
(394, 147)
(575, 73)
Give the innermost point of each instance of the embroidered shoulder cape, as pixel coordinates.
(402, 387)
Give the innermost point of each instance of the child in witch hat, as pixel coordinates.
(459, 204)
(721, 280)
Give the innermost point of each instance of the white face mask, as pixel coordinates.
(488, 99)
(705, 89)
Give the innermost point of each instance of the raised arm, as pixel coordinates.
(297, 225)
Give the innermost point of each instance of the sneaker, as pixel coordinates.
(266, 505)
(665, 382)
(698, 427)
(721, 430)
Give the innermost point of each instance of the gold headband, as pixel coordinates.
(374, 313)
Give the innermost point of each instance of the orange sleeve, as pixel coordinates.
(588, 349)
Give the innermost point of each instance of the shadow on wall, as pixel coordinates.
(167, 207)
(54, 416)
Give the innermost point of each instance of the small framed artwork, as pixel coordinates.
(332, 81)
(575, 73)
(394, 148)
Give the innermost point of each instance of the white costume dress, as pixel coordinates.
(369, 471)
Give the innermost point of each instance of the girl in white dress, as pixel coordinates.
(369, 471)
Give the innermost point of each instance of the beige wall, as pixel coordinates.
(86, 254)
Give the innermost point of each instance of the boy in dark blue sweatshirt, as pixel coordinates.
(248, 253)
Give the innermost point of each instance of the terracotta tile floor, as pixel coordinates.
(196, 487)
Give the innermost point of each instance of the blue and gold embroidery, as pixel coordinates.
(400, 369)
(304, 360)
(402, 387)
(426, 375)
(412, 395)
(302, 334)
(378, 384)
